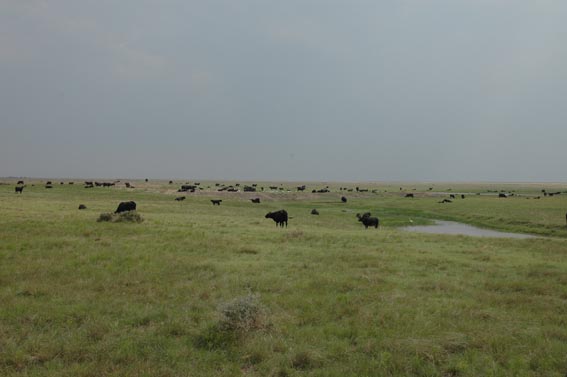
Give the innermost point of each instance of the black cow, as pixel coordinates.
(255, 200)
(368, 220)
(170, 182)
(48, 186)
(462, 196)
(502, 195)
(180, 198)
(314, 212)
(301, 188)
(82, 206)
(446, 201)
(452, 196)
(125, 207)
(216, 201)
(280, 217)
(343, 199)
(20, 183)
(19, 189)
(409, 195)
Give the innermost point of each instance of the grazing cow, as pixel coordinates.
(48, 186)
(48, 183)
(452, 196)
(314, 212)
(301, 188)
(82, 206)
(19, 189)
(502, 195)
(180, 198)
(125, 207)
(188, 188)
(88, 183)
(446, 201)
(409, 196)
(255, 200)
(249, 189)
(368, 220)
(216, 201)
(147, 180)
(462, 196)
(70, 183)
(280, 217)
(170, 182)
(127, 184)
(20, 183)
(343, 199)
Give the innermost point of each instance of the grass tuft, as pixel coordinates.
(123, 217)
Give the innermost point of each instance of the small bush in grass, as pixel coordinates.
(128, 217)
(105, 217)
(236, 318)
(241, 314)
(123, 217)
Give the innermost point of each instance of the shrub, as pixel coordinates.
(105, 217)
(241, 314)
(123, 217)
(128, 217)
(236, 318)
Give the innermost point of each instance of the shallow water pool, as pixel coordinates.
(452, 227)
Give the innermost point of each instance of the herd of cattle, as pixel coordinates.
(280, 217)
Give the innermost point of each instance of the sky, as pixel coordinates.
(377, 90)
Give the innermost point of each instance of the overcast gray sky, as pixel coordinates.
(287, 89)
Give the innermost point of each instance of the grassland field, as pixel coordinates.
(85, 298)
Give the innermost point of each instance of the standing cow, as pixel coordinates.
(280, 217)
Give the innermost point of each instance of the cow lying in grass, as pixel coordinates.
(125, 207)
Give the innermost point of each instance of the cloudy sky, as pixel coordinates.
(287, 89)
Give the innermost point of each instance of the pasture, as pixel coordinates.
(86, 298)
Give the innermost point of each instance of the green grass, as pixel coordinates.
(86, 298)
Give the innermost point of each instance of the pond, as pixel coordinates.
(452, 227)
